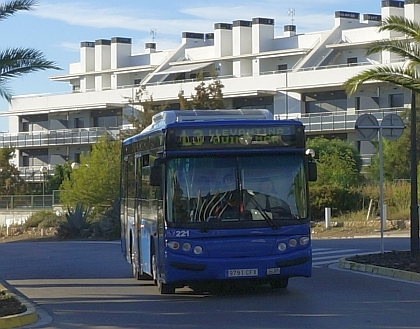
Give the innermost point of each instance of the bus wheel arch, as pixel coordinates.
(134, 268)
(163, 288)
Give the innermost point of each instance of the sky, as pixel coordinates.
(56, 27)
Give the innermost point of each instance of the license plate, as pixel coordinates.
(273, 271)
(242, 272)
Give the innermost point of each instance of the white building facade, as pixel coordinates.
(295, 76)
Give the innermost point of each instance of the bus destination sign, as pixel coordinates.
(231, 137)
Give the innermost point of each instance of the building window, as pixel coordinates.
(282, 67)
(396, 100)
(79, 123)
(77, 157)
(352, 60)
(137, 82)
(357, 103)
(25, 126)
(25, 161)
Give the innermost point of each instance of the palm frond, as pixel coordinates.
(402, 25)
(401, 76)
(405, 49)
(11, 7)
(17, 61)
(5, 92)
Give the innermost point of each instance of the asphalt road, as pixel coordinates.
(89, 285)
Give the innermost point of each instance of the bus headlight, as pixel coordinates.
(281, 246)
(198, 250)
(304, 240)
(292, 243)
(173, 245)
(186, 246)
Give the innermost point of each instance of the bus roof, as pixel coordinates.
(163, 119)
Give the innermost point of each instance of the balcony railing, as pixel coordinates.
(336, 121)
(56, 137)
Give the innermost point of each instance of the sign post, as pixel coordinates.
(391, 128)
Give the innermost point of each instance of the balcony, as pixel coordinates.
(336, 121)
(56, 137)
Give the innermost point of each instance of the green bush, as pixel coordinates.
(43, 218)
(76, 224)
(108, 226)
(341, 200)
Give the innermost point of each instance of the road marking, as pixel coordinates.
(325, 256)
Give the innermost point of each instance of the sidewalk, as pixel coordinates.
(378, 270)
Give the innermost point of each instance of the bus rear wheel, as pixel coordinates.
(135, 270)
(280, 283)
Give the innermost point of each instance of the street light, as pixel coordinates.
(43, 171)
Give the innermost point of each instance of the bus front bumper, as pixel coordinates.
(182, 268)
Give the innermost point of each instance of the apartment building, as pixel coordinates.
(294, 75)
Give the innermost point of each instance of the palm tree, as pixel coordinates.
(406, 76)
(14, 62)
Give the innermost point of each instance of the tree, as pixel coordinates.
(60, 172)
(141, 118)
(95, 183)
(208, 97)
(405, 76)
(15, 62)
(10, 181)
(339, 163)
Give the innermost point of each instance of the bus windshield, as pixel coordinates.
(262, 189)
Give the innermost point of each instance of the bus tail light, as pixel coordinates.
(292, 243)
(304, 240)
(186, 246)
(198, 250)
(281, 246)
(173, 245)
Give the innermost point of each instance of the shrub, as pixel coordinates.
(341, 200)
(43, 218)
(76, 224)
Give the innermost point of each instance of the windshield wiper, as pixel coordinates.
(263, 213)
(209, 221)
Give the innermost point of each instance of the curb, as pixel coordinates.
(30, 316)
(379, 270)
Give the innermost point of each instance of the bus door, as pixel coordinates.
(137, 215)
(152, 210)
(131, 197)
(148, 216)
(123, 206)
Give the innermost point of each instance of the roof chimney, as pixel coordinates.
(289, 30)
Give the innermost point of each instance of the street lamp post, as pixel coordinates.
(414, 209)
(43, 171)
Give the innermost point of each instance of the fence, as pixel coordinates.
(28, 202)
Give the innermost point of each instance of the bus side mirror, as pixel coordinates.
(312, 171)
(155, 178)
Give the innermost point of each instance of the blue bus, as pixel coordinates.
(216, 195)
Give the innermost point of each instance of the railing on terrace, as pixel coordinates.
(219, 77)
(340, 120)
(28, 202)
(34, 174)
(56, 137)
